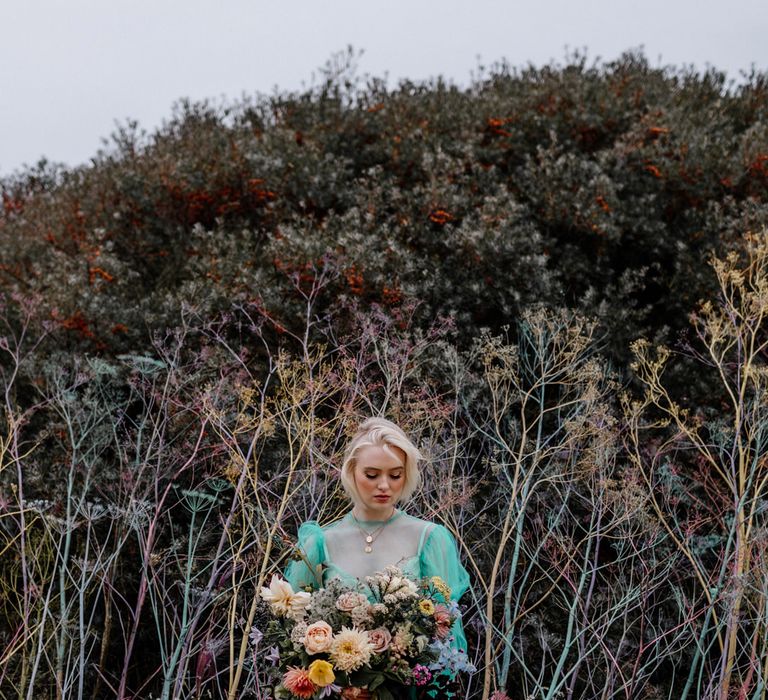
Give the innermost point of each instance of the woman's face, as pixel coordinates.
(379, 478)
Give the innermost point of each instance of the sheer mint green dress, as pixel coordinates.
(419, 547)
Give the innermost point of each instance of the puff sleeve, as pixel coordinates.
(308, 574)
(439, 556)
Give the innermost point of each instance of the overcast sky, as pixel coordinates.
(70, 68)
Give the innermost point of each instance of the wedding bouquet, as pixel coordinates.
(331, 643)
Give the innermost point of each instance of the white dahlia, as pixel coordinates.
(351, 649)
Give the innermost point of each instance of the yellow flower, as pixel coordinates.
(427, 606)
(321, 673)
(441, 587)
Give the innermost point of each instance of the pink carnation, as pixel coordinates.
(443, 620)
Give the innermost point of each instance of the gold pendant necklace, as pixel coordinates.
(370, 537)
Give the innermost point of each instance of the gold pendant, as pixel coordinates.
(368, 549)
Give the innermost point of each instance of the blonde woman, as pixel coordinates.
(380, 473)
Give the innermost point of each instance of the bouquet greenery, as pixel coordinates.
(337, 640)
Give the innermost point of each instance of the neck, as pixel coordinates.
(362, 513)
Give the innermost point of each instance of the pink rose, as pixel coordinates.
(443, 620)
(380, 639)
(318, 637)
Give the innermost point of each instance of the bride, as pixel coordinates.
(379, 473)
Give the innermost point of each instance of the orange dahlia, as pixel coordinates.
(296, 681)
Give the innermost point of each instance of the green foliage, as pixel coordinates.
(600, 187)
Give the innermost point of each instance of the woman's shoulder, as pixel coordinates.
(312, 528)
(422, 523)
(420, 526)
(432, 534)
(309, 530)
(313, 539)
(416, 519)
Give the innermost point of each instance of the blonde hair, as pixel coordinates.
(380, 432)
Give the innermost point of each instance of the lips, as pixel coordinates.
(381, 498)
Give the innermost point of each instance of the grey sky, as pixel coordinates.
(70, 68)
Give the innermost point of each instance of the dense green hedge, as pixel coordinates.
(600, 187)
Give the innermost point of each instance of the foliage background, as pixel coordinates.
(195, 323)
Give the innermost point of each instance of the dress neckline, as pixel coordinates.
(410, 565)
(374, 523)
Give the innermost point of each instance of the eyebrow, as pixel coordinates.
(378, 469)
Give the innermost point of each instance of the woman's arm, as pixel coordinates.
(307, 571)
(439, 556)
